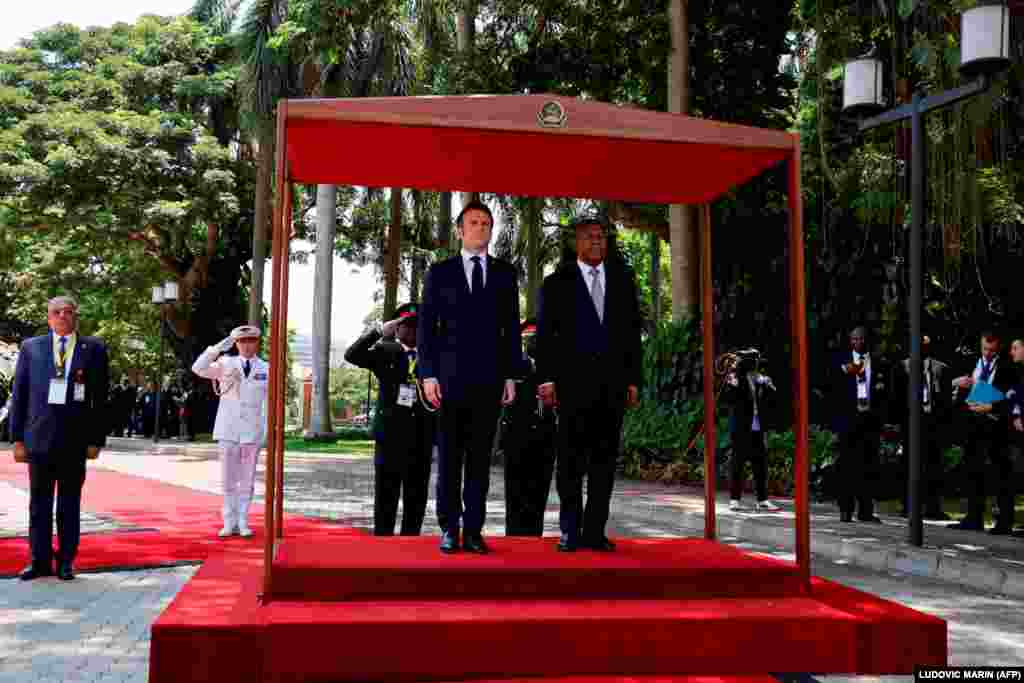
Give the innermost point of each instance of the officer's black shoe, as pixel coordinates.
(601, 545)
(845, 517)
(566, 544)
(967, 525)
(65, 572)
(870, 520)
(449, 542)
(1001, 530)
(35, 571)
(474, 543)
(936, 516)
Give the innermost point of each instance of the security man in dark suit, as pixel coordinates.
(403, 426)
(528, 442)
(936, 412)
(986, 427)
(58, 421)
(589, 364)
(862, 396)
(751, 395)
(468, 358)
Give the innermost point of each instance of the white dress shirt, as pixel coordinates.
(467, 266)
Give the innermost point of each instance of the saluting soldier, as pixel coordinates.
(403, 426)
(241, 424)
(529, 429)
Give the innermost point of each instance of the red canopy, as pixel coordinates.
(541, 146)
(497, 143)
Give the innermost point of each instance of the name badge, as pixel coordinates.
(58, 392)
(406, 395)
(79, 392)
(862, 391)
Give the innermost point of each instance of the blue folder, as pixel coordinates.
(983, 392)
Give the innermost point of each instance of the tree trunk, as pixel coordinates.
(262, 221)
(422, 236)
(326, 210)
(682, 225)
(465, 42)
(655, 280)
(444, 222)
(392, 257)
(533, 266)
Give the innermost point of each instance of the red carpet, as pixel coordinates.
(179, 524)
(486, 627)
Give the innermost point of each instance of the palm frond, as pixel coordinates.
(218, 15)
(269, 76)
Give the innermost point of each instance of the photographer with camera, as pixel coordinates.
(750, 392)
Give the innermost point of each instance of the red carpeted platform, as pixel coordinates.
(168, 524)
(523, 568)
(484, 627)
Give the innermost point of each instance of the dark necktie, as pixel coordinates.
(478, 276)
(245, 366)
(62, 357)
(986, 370)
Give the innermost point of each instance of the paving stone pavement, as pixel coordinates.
(96, 628)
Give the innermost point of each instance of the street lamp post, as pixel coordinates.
(166, 294)
(984, 51)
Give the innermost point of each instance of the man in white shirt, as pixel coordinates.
(241, 426)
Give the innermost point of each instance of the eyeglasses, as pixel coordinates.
(66, 312)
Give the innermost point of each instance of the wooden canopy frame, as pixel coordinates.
(541, 146)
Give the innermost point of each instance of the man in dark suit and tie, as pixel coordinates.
(986, 435)
(403, 429)
(862, 402)
(589, 364)
(469, 350)
(58, 421)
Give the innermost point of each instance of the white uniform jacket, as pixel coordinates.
(242, 414)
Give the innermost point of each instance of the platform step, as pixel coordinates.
(521, 568)
(480, 639)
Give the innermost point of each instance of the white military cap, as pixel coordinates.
(245, 332)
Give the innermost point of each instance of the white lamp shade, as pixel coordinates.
(170, 291)
(158, 294)
(985, 38)
(862, 84)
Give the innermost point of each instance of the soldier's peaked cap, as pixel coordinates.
(246, 332)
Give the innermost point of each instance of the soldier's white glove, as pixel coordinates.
(225, 345)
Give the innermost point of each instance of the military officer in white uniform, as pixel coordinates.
(241, 424)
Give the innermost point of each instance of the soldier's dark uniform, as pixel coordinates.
(403, 431)
(528, 432)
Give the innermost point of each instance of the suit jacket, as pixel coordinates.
(465, 340)
(1004, 376)
(570, 335)
(938, 391)
(844, 391)
(52, 431)
(389, 362)
(740, 398)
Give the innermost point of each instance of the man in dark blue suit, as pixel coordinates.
(469, 349)
(58, 421)
(589, 364)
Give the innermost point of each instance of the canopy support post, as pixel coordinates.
(708, 333)
(281, 359)
(798, 320)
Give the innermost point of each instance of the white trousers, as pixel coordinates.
(238, 477)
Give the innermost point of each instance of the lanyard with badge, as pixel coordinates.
(59, 383)
(407, 391)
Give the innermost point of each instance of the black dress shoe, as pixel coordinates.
(449, 543)
(566, 544)
(475, 544)
(1001, 530)
(601, 545)
(870, 520)
(845, 517)
(35, 571)
(65, 572)
(967, 525)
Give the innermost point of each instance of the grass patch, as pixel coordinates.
(347, 447)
